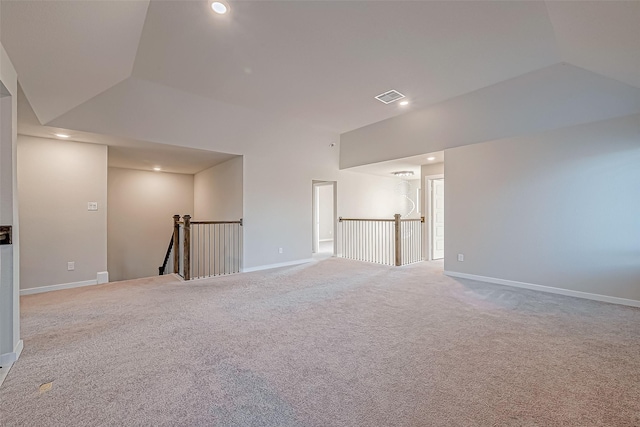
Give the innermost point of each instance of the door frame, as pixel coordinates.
(10, 343)
(429, 216)
(314, 214)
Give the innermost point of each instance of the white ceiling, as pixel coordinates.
(324, 61)
(123, 152)
(600, 36)
(554, 97)
(66, 52)
(412, 164)
(168, 158)
(320, 62)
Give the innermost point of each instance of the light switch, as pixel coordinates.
(92, 206)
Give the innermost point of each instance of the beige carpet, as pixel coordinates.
(334, 343)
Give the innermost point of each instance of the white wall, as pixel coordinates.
(218, 192)
(56, 181)
(551, 98)
(559, 209)
(282, 157)
(9, 254)
(370, 196)
(412, 201)
(140, 219)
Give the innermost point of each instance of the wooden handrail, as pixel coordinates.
(216, 222)
(364, 225)
(182, 239)
(365, 219)
(421, 219)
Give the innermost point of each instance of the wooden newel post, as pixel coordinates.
(176, 244)
(398, 240)
(187, 247)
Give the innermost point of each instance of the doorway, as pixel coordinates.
(434, 197)
(324, 218)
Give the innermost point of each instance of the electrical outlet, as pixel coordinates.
(71, 265)
(461, 257)
(280, 250)
(92, 206)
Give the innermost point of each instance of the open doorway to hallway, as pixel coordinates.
(425, 168)
(324, 218)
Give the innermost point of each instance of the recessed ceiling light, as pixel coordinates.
(157, 169)
(403, 103)
(61, 135)
(402, 173)
(219, 7)
(431, 158)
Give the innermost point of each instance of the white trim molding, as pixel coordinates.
(280, 264)
(50, 288)
(8, 359)
(102, 277)
(548, 289)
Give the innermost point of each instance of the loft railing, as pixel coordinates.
(216, 248)
(384, 241)
(203, 248)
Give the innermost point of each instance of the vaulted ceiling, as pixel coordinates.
(318, 62)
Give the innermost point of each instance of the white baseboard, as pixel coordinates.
(50, 288)
(102, 277)
(549, 289)
(10, 358)
(7, 360)
(18, 350)
(280, 264)
(4, 371)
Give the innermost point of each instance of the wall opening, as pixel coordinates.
(324, 218)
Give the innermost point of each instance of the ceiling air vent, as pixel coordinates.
(390, 96)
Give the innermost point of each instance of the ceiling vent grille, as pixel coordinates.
(389, 97)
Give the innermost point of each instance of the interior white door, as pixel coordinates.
(437, 219)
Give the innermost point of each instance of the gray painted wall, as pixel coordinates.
(499, 111)
(140, 219)
(559, 209)
(218, 192)
(280, 161)
(56, 180)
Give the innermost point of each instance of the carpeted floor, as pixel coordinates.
(331, 343)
